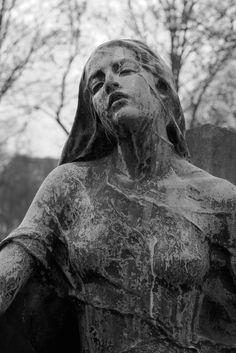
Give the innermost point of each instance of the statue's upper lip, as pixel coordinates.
(114, 97)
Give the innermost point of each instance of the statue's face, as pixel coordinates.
(122, 90)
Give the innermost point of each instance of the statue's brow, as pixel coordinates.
(95, 74)
(99, 72)
(123, 61)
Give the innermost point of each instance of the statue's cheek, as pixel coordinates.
(99, 103)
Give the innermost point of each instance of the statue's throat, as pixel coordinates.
(143, 154)
(136, 155)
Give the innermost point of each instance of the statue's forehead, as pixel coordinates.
(104, 56)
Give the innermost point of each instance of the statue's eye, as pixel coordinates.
(126, 71)
(96, 87)
(162, 86)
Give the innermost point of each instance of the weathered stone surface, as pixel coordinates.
(133, 241)
(213, 149)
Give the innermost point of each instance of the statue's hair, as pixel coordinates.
(93, 137)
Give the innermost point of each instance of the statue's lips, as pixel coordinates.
(115, 97)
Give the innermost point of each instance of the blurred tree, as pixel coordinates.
(18, 44)
(39, 42)
(219, 103)
(198, 37)
(65, 52)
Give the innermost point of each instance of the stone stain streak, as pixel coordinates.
(152, 248)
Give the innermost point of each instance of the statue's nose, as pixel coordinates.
(111, 85)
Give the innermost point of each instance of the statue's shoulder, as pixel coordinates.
(216, 189)
(66, 181)
(75, 177)
(67, 173)
(209, 188)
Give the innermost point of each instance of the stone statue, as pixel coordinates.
(127, 246)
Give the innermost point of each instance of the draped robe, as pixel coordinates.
(122, 267)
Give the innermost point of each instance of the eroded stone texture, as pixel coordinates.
(148, 267)
(133, 251)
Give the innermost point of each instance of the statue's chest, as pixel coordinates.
(131, 239)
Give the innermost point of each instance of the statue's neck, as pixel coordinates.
(144, 155)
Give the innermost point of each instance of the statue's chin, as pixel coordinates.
(128, 116)
(130, 120)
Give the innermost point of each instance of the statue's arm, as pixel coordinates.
(226, 221)
(222, 234)
(55, 209)
(227, 238)
(16, 266)
(217, 319)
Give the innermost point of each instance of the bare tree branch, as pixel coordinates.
(134, 21)
(25, 44)
(202, 39)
